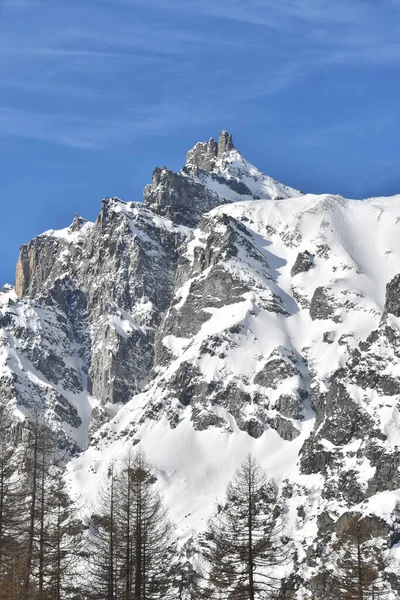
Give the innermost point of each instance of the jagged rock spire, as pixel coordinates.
(225, 143)
(184, 199)
(77, 223)
(205, 154)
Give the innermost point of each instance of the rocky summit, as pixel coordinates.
(227, 313)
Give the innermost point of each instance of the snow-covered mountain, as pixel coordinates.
(227, 313)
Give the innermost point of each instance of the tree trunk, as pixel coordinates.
(250, 528)
(32, 510)
(138, 557)
(359, 567)
(1, 514)
(128, 567)
(41, 533)
(111, 549)
(58, 556)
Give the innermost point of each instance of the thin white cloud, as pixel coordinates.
(87, 133)
(160, 118)
(270, 13)
(91, 56)
(365, 26)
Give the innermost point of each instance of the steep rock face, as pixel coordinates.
(103, 287)
(47, 256)
(117, 276)
(179, 197)
(40, 368)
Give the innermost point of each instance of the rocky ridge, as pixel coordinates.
(227, 313)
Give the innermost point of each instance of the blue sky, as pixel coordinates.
(95, 93)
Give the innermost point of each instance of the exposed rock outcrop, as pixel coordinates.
(205, 154)
(392, 304)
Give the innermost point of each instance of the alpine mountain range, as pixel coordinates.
(226, 314)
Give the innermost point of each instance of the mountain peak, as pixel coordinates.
(215, 173)
(204, 155)
(77, 223)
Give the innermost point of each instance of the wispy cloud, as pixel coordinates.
(99, 74)
(361, 30)
(270, 13)
(88, 133)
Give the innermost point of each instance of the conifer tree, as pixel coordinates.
(31, 466)
(10, 563)
(358, 563)
(6, 470)
(36, 516)
(131, 537)
(244, 542)
(102, 543)
(62, 539)
(35, 528)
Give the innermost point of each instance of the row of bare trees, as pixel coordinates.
(132, 548)
(36, 517)
(127, 550)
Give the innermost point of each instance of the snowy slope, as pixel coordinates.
(232, 174)
(244, 302)
(221, 168)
